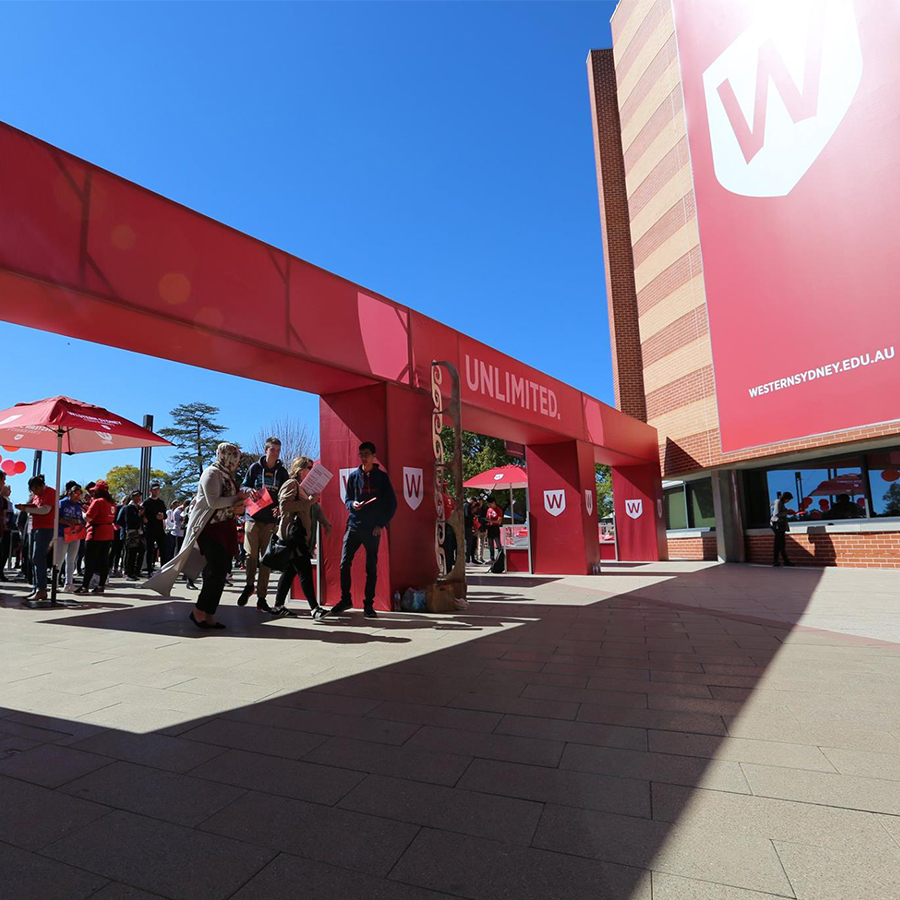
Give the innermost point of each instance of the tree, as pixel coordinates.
(195, 435)
(122, 480)
(297, 439)
(892, 499)
(603, 484)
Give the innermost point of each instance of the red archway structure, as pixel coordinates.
(88, 254)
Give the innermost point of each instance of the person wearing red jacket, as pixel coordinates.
(42, 509)
(100, 516)
(494, 519)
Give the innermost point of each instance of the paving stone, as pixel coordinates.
(454, 809)
(746, 861)
(379, 730)
(32, 816)
(161, 857)
(674, 887)
(839, 736)
(256, 738)
(864, 763)
(309, 830)
(673, 688)
(51, 765)
(773, 753)
(436, 766)
(725, 813)
(487, 746)
(123, 892)
(285, 777)
(482, 869)
(652, 718)
(31, 723)
(319, 699)
(280, 879)
(581, 789)
(579, 695)
(440, 716)
(580, 732)
(156, 750)
(664, 767)
(819, 873)
(27, 876)
(181, 799)
(826, 788)
(548, 709)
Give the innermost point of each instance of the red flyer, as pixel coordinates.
(262, 501)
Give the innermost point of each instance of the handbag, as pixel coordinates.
(278, 555)
(74, 533)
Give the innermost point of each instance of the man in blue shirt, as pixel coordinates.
(371, 503)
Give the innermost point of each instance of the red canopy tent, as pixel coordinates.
(510, 477)
(63, 425)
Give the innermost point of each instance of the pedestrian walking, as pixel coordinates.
(6, 524)
(41, 509)
(267, 473)
(296, 504)
(155, 528)
(494, 519)
(779, 526)
(100, 517)
(131, 520)
(211, 533)
(371, 502)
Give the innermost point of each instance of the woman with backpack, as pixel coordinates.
(295, 528)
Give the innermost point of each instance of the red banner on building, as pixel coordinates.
(793, 113)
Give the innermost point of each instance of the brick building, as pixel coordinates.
(717, 502)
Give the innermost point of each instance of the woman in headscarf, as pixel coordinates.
(211, 533)
(294, 502)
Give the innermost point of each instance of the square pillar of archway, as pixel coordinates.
(640, 517)
(562, 502)
(398, 421)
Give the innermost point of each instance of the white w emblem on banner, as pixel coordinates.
(634, 508)
(555, 502)
(589, 501)
(412, 486)
(344, 474)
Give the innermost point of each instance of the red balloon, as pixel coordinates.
(806, 501)
(10, 449)
(890, 474)
(8, 466)
(20, 468)
(861, 501)
(815, 514)
(823, 504)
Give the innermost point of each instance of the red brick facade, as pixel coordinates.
(867, 549)
(628, 369)
(698, 547)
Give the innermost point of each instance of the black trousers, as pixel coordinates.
(156, 544)
(5, 546)
(471, 540)
(353, 540)
(96, 561)
(302, 567)
(778, 549)
(218, 563)
(493, 535)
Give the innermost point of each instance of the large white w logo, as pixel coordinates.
(777, 94)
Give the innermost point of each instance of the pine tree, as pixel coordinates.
(196, 435)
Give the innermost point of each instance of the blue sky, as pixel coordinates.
(439, 153)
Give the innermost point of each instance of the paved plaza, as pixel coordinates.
(674, 731)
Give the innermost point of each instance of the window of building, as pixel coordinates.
(826, 490)
(690, 505)
(884, 483)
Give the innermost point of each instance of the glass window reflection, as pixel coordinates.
(823, 490)
(884, 482)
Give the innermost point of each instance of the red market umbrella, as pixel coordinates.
(501, 477)
(63, 425)
(850, 483)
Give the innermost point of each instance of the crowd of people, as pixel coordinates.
(268, 521)
(482, 519)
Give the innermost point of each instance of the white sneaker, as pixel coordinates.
(68, 588)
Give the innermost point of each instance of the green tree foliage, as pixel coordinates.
(195, 434)
(892, 498)
(122, 480)
(603, 484)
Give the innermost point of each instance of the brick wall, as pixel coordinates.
(621, 297)
(870, 549)
(699, 547)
